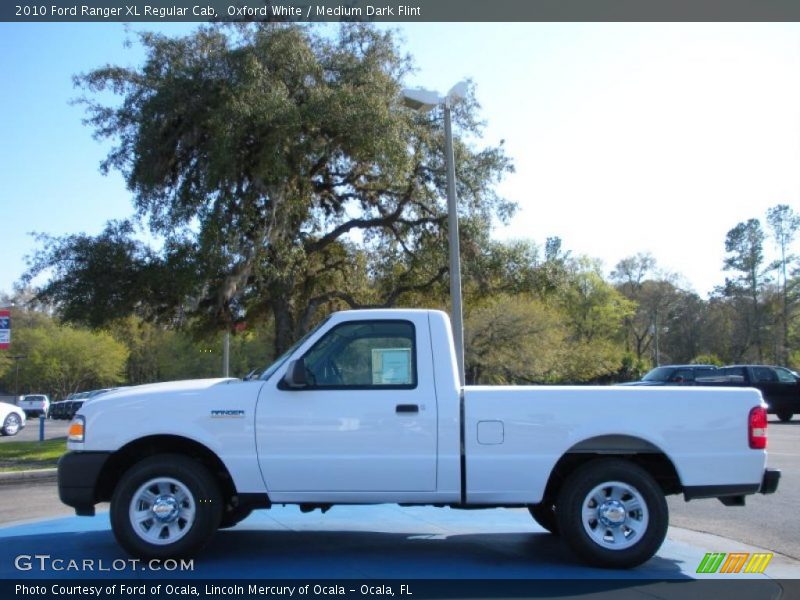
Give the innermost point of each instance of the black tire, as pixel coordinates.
(544, 514)
(785, 415)
(233, 516)
(637, 534)
(11, 424)
(183, 485)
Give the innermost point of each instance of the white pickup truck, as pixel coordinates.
(368, 408)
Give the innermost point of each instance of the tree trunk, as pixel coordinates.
(284, 325)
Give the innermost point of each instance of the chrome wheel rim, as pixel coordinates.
(12, 424)
(162, 511)
(614, 515)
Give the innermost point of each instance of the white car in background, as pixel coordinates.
(12, 419)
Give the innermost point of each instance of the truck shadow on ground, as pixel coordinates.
(521, 555)
(243, 553)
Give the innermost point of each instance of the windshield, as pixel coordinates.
(659, 374)
(285, 356)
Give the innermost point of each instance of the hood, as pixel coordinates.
(167, 388)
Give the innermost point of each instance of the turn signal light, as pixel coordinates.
(757, 428)
(76, 430)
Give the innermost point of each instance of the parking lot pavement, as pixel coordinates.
(52, 429)
(370, 542)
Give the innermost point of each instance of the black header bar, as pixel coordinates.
(399, 11)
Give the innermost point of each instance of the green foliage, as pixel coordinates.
(632, 368)
(566, 328)
(707, 359)
(784, 224)
(61, 359)
(513, 339)
(271, 160)
(282, 178)
(745, 247)
(594, 309)
(160, 354)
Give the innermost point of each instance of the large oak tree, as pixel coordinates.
(282, 172)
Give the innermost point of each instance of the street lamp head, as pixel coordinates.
(424, 100)
(421, 99)
(458, 91)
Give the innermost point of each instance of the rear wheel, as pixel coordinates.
(612, 513)
(544, 514)
(11, 424)
(785, 415)
(165, 506)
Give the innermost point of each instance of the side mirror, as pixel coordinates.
(295, 376)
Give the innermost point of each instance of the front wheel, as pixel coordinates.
(612, 514)
(784, 415)
(166, 506)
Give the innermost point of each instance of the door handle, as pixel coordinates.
(407, 408)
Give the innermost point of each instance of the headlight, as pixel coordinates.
(76, 429)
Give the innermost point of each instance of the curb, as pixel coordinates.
(32, 476)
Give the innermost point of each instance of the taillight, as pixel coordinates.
(757, 428)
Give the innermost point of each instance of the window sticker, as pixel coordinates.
(391, 366)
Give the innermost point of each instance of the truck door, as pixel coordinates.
(365, 422)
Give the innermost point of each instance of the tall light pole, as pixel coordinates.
(16, 358)
(226, 353)
(425, 100)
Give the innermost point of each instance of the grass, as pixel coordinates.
(20, 456)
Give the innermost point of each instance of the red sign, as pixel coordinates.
(5, 329)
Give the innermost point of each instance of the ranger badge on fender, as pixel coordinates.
(227, 414)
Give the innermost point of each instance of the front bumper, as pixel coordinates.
(78, 474)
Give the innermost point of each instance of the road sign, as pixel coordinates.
(5, 329)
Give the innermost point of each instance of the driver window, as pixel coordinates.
(682, 375)
(364, 354)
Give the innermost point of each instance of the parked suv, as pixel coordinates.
(779, 386)
(675, 375)
(35, 405)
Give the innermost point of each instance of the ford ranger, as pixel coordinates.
(368, 408)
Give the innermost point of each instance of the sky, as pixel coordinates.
(625, 137)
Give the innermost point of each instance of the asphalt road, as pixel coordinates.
(771, 521)
(52, 429)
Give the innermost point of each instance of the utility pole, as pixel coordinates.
(16, 358)
(226, 353)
